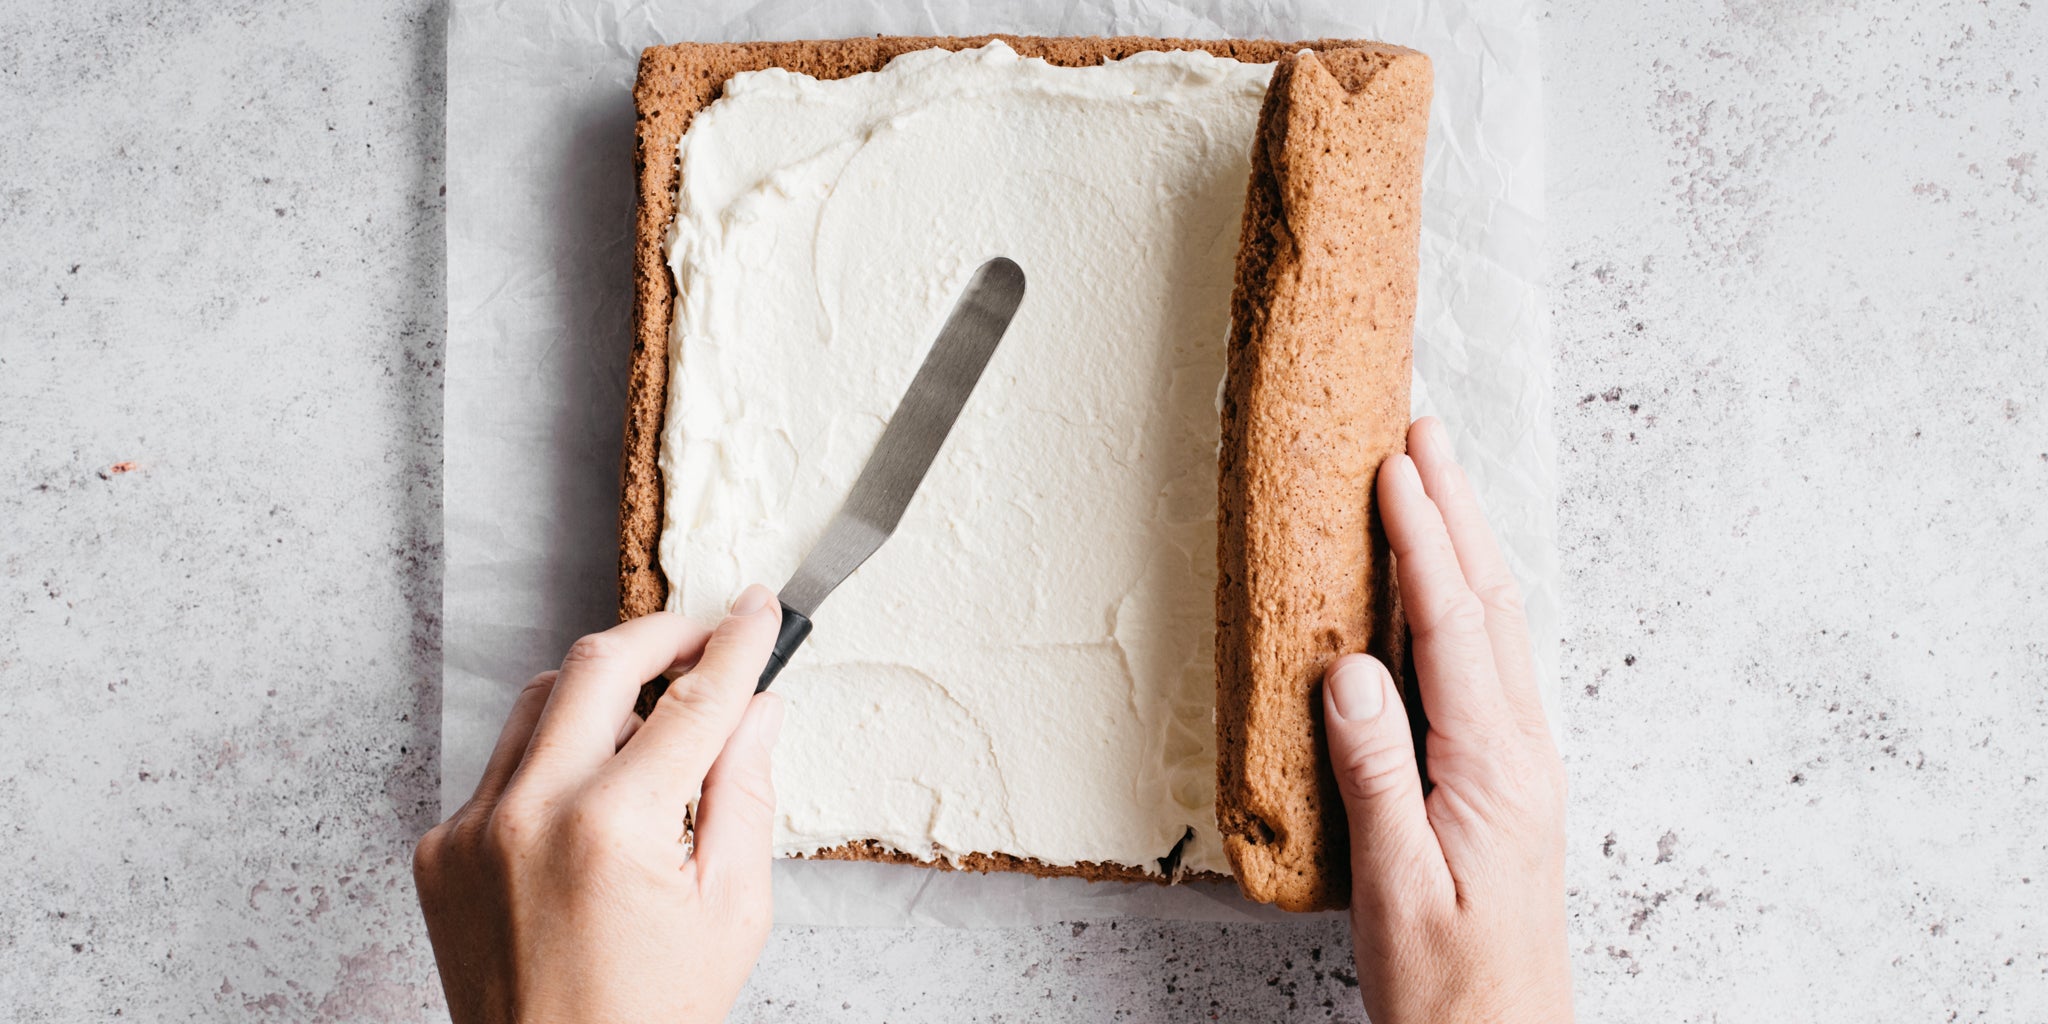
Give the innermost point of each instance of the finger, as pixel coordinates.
(1486, 572)
(689, 725)
(1453, 654)
(512, 739)
(599, 681)
(736, 817)
(627, 728)
(1397, 866)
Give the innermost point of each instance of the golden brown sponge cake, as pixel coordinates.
(1315, 399)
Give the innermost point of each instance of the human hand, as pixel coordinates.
(1457, 902)
(563, 890)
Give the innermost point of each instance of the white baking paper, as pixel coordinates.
(540, 205)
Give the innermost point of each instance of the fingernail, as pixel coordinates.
(771, 721)
(1358, 689)
(752, 599)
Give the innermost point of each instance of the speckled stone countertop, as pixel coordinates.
(1801, 313)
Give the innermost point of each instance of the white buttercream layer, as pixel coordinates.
(1027, 667)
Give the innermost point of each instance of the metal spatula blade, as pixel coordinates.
(909, 443)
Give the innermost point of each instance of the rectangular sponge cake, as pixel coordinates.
(1316, 397)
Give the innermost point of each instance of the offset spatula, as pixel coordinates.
(909, 443)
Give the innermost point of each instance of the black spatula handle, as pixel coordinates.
(794, 628)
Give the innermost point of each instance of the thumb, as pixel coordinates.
(736, 817)
(669, 755)
(1395, 859)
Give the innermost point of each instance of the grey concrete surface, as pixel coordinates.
(1799, 285)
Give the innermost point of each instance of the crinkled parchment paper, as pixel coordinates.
(540, 201)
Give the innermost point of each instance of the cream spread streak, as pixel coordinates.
(1027, 667)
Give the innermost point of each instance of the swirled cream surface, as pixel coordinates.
(1027, 666)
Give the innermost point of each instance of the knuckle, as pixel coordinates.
(680, 703)
(687, 692)
(593, 647)
(1459, 613)
(597, 821)
(1373, 769)
(467, 824)
(511, 827)
(429, 854)
(1501, 596)
(698, 696)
